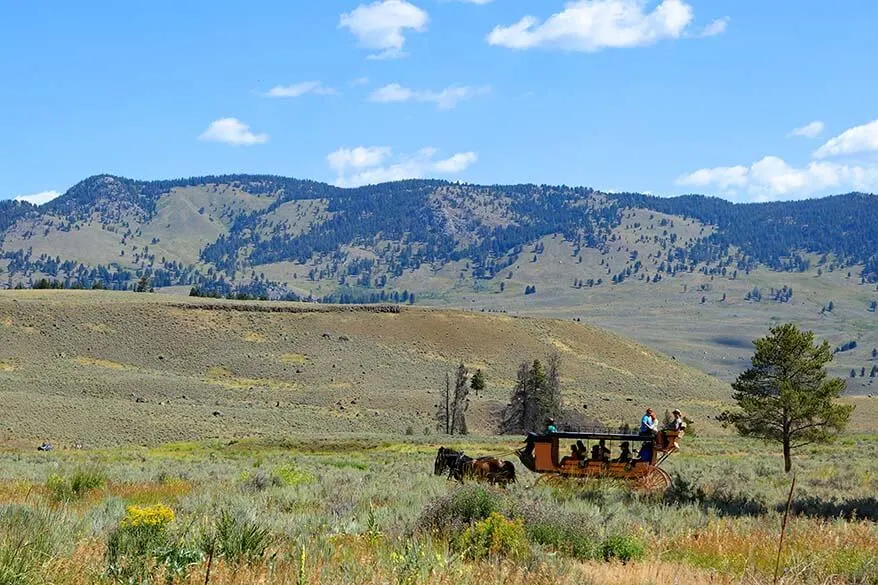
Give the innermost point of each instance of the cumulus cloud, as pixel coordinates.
(592, 25)
(360, 81)
(457, 163)
(39, 198)
(445, 99)
(382, 25)
(717, 27)
(774, 178)
(300, 89)
(232, 131)
(809, 130)
(369, 165)
(358, 158)
(854, 140)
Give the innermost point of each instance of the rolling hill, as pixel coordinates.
(104, 368)
(695, 277)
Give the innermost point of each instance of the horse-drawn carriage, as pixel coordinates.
(541, 455)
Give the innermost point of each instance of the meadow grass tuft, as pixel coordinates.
(76, 485)
(244, 512)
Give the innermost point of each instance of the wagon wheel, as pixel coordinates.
(656, 479)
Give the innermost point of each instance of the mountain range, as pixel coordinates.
(575, 252)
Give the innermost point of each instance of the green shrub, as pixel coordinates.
(623, 547)
(67, 489)
(259, 480)
(137, 543)
(25, 544)
(495, 536)
(238, 540)
(454, 512)
(291, 475)
(564, 531)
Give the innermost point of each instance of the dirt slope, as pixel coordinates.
(108, 368)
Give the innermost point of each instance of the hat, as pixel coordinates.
(676, 411)
(550, 420)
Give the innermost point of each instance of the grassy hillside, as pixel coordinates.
(676, 274)
(105, 368)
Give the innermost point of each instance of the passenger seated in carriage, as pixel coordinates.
(581, 451)
(574, 456)
(624, 453)
(600, 452)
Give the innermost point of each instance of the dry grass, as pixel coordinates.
(327, 490)
(152, 370)
(739, 548)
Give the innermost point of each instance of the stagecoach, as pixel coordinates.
(543, 455)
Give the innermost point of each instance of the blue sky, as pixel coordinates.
(668, 97)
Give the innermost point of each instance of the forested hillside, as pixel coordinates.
(111, 230)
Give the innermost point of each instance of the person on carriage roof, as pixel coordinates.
(648, 425)
(677, 423)
(550, 426)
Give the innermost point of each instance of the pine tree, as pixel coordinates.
(550, 395)
(785, 395)
(477, 383)
(514, 419)
(535, 397)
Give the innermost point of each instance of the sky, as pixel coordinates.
(749, 100)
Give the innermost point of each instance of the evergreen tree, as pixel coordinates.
(478, 381)
(785, 395)
(550, 395)
(535, 397)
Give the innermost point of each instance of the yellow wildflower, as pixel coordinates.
(157, 516)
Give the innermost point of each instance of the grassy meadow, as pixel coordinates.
(368, 509)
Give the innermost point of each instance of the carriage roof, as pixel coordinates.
(595, 436)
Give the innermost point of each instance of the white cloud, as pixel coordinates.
(300, 89)
(472, 1)
(358, 158)
(457, 163)
(232, 131)
(809, 130)
(39, 198)
(368, 165)
(359, 81)
(592, 25)
(852, 141)
(381, 25)
(717, 27)
(445, 99)
(773, 178)
(392, 93)
(723, 177)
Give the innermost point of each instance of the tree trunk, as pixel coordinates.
(787, 460)
(447, 404)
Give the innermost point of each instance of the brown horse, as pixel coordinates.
(492, 470)
(460, 466)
